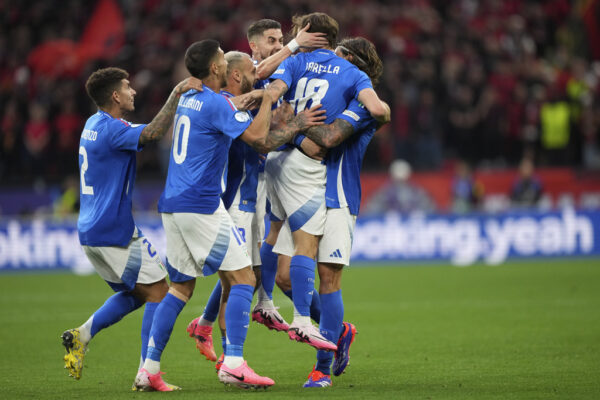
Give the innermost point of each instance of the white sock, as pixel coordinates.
(300, 320)
(153, 367)
(204, 322)
(233, 361)
(263, 298)
(85, 331)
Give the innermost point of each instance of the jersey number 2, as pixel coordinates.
(85, 189)
(314, 89)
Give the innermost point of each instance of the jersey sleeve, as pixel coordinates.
(125, 136)
(362, 81)
(357, 115)
(285, 71)
(228, 119)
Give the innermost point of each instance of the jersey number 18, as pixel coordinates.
(314, 89)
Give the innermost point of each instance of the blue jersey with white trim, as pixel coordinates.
(345, 160)
(321, 77)
(107, 149)
(242, 174)
(205, 124)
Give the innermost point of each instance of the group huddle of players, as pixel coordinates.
(281, 132)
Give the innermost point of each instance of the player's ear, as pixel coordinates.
(115, 97)
(253, 46)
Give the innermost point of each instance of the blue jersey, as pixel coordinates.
(242, 175)
(321, 77)
(205, 124)
(344, 161)
(107, 151)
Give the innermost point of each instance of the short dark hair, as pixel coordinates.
(102, 83)
(259, 27)
(199, 56)
(319, 22)
(364, 56)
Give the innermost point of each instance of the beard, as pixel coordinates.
(246, 85)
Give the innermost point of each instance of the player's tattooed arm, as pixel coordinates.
(156, 129)
(330, 135)
(277, 88)
(285, 126)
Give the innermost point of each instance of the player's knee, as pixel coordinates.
(183, 290)
(283, 282)
(274, 229)
(330, 278)
(158, 291)
(244, 276)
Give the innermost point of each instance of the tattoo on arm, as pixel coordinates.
(277, 88)
(276, 137)
(330, 135)
(156, 129)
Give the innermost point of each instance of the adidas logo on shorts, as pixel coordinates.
(336, 254)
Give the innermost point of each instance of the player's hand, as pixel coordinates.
(311, 39)
(313, 150)
(188, 84)
(248, 101)
(282, 115)
(311, 117)
(254, 99)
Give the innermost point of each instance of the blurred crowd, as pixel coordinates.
(484, 81)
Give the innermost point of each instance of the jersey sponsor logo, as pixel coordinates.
(322, 69)
(351, 114)
(242, 116)
(89, 134)
(279, 71)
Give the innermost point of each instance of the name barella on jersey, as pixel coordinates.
(107, 151)
(242, 175)
(205, 125)
(344, 161)
(321, 77)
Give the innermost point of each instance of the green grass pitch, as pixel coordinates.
(524, 330)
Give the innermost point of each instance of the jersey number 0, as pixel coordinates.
(181, 135)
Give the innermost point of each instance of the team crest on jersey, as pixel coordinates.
(242, 116)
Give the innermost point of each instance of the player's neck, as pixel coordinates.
(256, 57)
(113, 110)
(213, 82)
(235, 90)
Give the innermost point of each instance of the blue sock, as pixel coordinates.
(162, 325)
(331, 323)
(268, 269)
(113, 310)
(214, 302)
(302, 275)
(147, 325)
(315, 305)
(237, 318)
